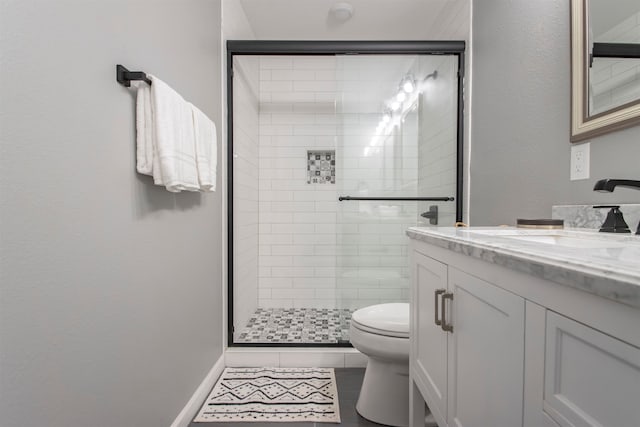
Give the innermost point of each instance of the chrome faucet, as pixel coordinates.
(608, 185)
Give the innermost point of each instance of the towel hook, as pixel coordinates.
(124, 76)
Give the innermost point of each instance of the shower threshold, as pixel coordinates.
(297, 326)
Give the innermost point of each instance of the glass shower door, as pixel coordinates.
(397, 142)
(379, 133)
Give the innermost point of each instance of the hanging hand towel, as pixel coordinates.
(175, 153)
(206, 149)
(144, 130)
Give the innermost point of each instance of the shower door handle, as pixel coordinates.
(437, 321)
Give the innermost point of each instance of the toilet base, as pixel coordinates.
(384, 396)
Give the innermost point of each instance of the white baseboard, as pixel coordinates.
(191, 408)
(295, 357)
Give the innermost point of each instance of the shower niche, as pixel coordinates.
(311, 126)
(321, 167)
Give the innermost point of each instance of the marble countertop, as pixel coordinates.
(607, 265)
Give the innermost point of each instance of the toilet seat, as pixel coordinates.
(391, 320)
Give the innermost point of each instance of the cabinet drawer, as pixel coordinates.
(591, 379)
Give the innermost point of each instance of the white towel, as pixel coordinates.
(206, 149)
(144, 130)
(165, 137)
(174, 140)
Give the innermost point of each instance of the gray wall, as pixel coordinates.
(521, 118)
(110, 303)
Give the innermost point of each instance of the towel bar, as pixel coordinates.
(401, 199)
(124, 76)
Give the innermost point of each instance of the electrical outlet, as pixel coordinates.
(580, 161)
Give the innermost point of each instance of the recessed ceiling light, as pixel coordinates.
(342, 11)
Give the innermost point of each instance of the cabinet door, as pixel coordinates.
(486, 354)
(591, 379)
(429, 341)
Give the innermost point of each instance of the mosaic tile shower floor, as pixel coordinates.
(297, 325)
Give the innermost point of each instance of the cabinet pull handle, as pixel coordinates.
(445, 327)
(437, 292)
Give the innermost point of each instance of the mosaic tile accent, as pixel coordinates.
(321, 167)
(297, 325)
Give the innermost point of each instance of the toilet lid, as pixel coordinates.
(384, 319)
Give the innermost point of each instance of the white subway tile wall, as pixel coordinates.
(297, 232)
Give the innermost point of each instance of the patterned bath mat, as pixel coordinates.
(273, 394)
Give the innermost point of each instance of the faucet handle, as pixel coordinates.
(614, 223)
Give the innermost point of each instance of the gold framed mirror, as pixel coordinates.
(600, 44)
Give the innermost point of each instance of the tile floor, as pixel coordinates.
(297, 325)
(348, 380)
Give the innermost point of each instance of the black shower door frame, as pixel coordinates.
(330, 48)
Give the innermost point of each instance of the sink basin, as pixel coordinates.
(566, 241)
(565, 238)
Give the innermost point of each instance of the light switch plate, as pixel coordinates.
(580, 161)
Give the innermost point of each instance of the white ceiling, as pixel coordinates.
(372, 20)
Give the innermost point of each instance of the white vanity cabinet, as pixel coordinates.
(523, 351)
(467, 353)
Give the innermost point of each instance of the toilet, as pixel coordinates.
(381, 332)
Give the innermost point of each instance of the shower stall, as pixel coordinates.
(334, 150)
